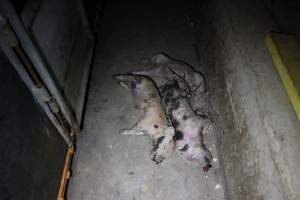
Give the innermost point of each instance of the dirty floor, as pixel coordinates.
(110, 166)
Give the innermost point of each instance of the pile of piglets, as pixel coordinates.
(184, 99)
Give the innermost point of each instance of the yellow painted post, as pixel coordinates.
(285, 52)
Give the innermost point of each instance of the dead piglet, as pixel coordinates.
(153, 122)
(188, 126)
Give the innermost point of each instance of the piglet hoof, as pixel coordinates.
(125, 132)
(131, 132)
(157, 158)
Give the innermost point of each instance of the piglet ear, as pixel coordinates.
(200, 82)
(128, 81)
(120, 77)
(123, 80)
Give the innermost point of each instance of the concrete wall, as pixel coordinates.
(286, 14)
(258, 132)
(31, 150)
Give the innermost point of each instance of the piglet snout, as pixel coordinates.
(208, 165)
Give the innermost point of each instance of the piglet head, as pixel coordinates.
(197, 155)
(163, 145)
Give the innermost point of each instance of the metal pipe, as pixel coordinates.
(40, 93)
(8, 10)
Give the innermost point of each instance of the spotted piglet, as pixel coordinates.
(188, 126)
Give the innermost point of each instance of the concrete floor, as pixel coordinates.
(110, 166)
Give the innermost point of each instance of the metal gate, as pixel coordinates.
(50, 44)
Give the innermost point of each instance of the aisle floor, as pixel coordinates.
(110, 166)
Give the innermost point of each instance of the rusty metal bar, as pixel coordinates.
(66, 174)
